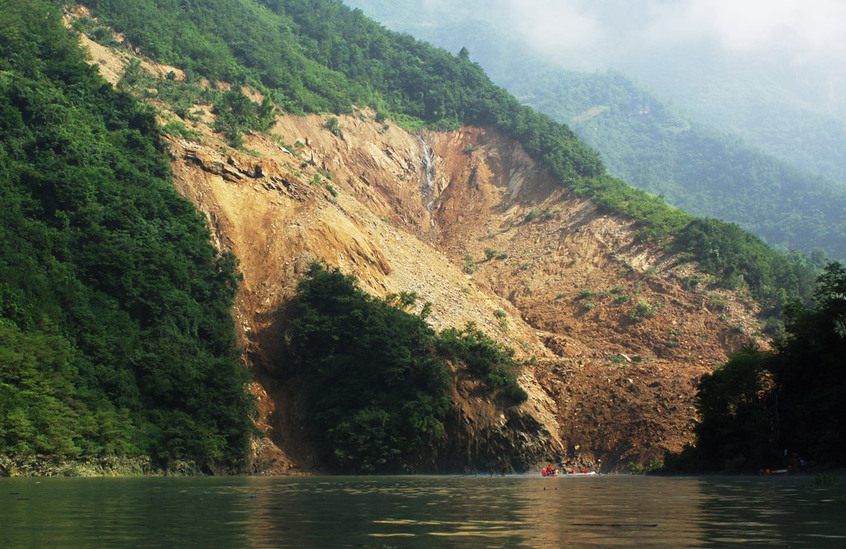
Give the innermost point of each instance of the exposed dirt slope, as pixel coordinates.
(610, 381)
(622, 375)
(273, 214)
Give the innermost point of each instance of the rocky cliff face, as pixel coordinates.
(613, 330)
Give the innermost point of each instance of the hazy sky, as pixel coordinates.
(800, 45)
(602, 31)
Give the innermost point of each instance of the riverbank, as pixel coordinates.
(108, 466)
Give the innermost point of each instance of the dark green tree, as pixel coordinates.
(810, 370)
(376, 391)
(738, 426)
(236, 113)
(760, 404)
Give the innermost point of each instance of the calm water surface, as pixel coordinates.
(422, 511)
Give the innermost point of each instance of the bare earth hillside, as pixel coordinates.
(613, 332)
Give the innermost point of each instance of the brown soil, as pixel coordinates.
(605, 389)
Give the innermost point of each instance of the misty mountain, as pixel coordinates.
(772, 107)
(770, 73)
(646, 140)
(693, 166)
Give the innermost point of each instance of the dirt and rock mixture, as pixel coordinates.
(613, 333)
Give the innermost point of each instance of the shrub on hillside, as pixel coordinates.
(376, 380)
(377, 393)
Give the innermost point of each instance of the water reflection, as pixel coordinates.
(775, 511)
(365, 511)
(618, 511)
(109, 512)
(421, 512)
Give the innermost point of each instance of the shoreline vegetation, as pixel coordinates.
(106, 466)
(116, 333)
(44, 466)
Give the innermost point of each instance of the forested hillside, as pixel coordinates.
(703, 170)
(115, 331)
(788, 113)
(697, 168)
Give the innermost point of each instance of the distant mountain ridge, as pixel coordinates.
(805, 130)
(693, 166)
(643, 140)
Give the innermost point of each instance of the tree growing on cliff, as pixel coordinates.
(236, 113)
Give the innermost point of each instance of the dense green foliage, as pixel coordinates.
(759, 404)
(236, 113)
(484, 357)
(376, 377)
(736, 429)
(810, 375)
(115, 332)
(741, 259)
(376, 392)
(793, 115)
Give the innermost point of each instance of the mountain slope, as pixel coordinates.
(789, 113)
(695, 167)
(378, 228)
(614, 327)
(481, 189)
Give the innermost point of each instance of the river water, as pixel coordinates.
(423, 511)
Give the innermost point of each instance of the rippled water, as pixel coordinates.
(422, 511)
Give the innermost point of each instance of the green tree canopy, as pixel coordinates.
(376, 390)
(760, 404)
(114, 307)
(377, 379)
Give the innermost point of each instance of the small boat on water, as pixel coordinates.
(549, 472)
(775, 471)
